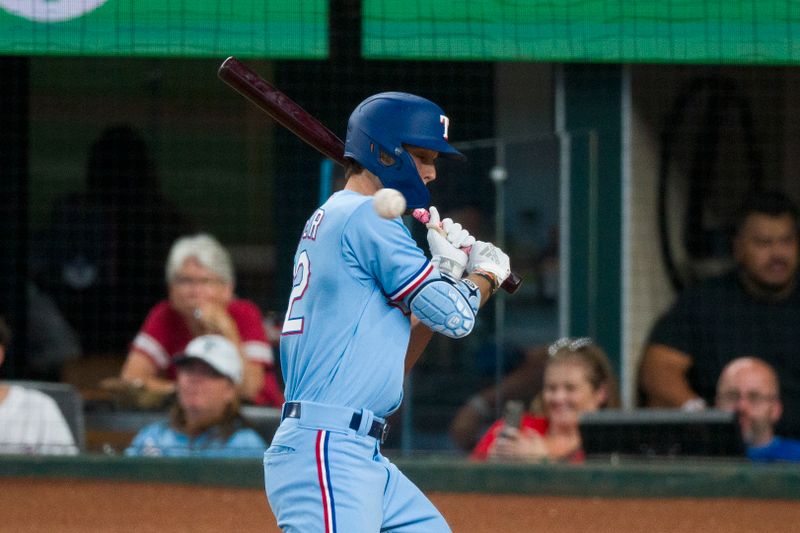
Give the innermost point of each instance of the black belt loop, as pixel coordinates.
(291, 410)
(378, 430)
(355, 422)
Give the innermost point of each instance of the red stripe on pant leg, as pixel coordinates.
(321, 479)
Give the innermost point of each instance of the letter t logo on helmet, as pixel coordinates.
(384, 123)
(446, 121)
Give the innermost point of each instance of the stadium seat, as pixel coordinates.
(69, 400)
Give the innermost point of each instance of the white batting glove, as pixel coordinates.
(487, 259)
(447, 257)
(455, 233)
(458, 236)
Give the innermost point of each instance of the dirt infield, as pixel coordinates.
(68, 505)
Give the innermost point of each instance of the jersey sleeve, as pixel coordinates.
(250, 324)
(152, 338)
(385, 251)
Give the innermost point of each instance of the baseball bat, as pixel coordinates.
(293, 117)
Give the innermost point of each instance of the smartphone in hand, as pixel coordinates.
(512, 414)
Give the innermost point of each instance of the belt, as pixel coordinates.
(378, 430)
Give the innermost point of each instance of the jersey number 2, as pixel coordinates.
(294, 325)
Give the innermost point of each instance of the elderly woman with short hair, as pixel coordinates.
(201, 300)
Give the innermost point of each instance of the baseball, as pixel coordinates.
(389, 203)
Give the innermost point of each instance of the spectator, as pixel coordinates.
(30, 421)
(755, 308)
(749, 387)
(521, 384)
(205, 420)
(100, 258)
(201, 301)
(577, 379)
(51, 340)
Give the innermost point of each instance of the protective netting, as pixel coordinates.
(116, 137)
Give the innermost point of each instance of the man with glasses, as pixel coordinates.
(749, 387)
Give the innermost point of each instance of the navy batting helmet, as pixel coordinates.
(387, 121)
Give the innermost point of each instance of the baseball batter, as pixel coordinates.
(365, 302)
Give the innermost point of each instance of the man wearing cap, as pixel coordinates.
(205, 420)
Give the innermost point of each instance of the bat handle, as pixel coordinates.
(511, 284)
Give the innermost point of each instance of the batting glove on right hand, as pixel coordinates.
(486, 258)
(445, 253)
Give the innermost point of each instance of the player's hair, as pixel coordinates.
(771, 203)
(206, 250)
(352, 167)
(593, 359)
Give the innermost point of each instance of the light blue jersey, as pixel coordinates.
(347, 326)
(161, 440)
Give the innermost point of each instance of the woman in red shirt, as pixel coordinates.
(577, 378)
(201, 301)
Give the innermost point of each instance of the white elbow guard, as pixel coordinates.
(447, 306)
